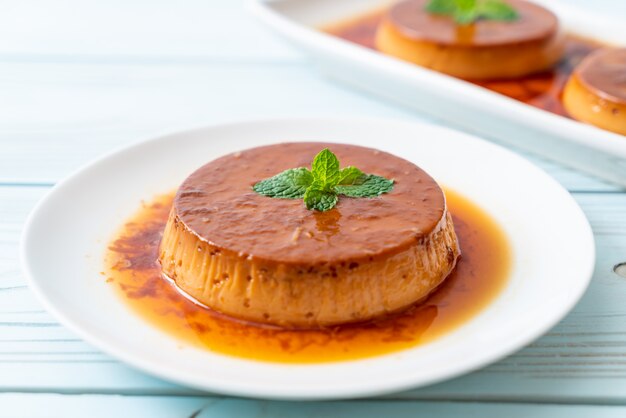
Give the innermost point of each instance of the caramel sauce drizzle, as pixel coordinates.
(541, 90)
(134, 273)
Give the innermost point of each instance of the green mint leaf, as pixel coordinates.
(325, 169)
(441, 7)
(321, 186)
(371, 186)
(290, 184)
(465, 17)
(321, 200)
(496, 10)
(465, 6)
(350, 176)
(465, 12)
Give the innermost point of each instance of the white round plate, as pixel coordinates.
(66, 235)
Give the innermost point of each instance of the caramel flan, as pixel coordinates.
(596, 92)
(484, 49)
(273, 261)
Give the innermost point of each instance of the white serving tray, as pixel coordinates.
(451, 100)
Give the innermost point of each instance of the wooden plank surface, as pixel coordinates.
(97, 406)
(574, 362)
(139, 29)
(84, 110)
(80, 78)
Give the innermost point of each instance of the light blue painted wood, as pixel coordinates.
(119, 30)
(79, 78)
(58, 406)
(94, 406)
(84, 110)
(583, 359)
(135, 30)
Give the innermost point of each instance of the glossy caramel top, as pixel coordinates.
(604, 73)
(218, 204)
(534, 23)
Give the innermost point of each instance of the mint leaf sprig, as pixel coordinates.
(321, 186)
(465, 12)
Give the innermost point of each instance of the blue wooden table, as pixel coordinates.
(79, 78)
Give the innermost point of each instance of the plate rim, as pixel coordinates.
(169, 374)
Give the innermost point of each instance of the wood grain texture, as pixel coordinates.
(95, 406)
(82, 77)
(85, 110)
(120, 30)
(582, 359)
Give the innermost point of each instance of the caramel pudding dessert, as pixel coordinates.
(274, 261)
(541, 90)
(529, 43)
(596, 91)
(134, 273)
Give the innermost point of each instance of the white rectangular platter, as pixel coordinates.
(453, 101)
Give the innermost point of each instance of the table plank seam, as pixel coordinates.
(189, 60)
(384, 399)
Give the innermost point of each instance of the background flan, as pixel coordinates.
(273, 261)
(485, 49)
(596, 92)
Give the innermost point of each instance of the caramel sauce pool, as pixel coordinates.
(133, 271)
(542, 90)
